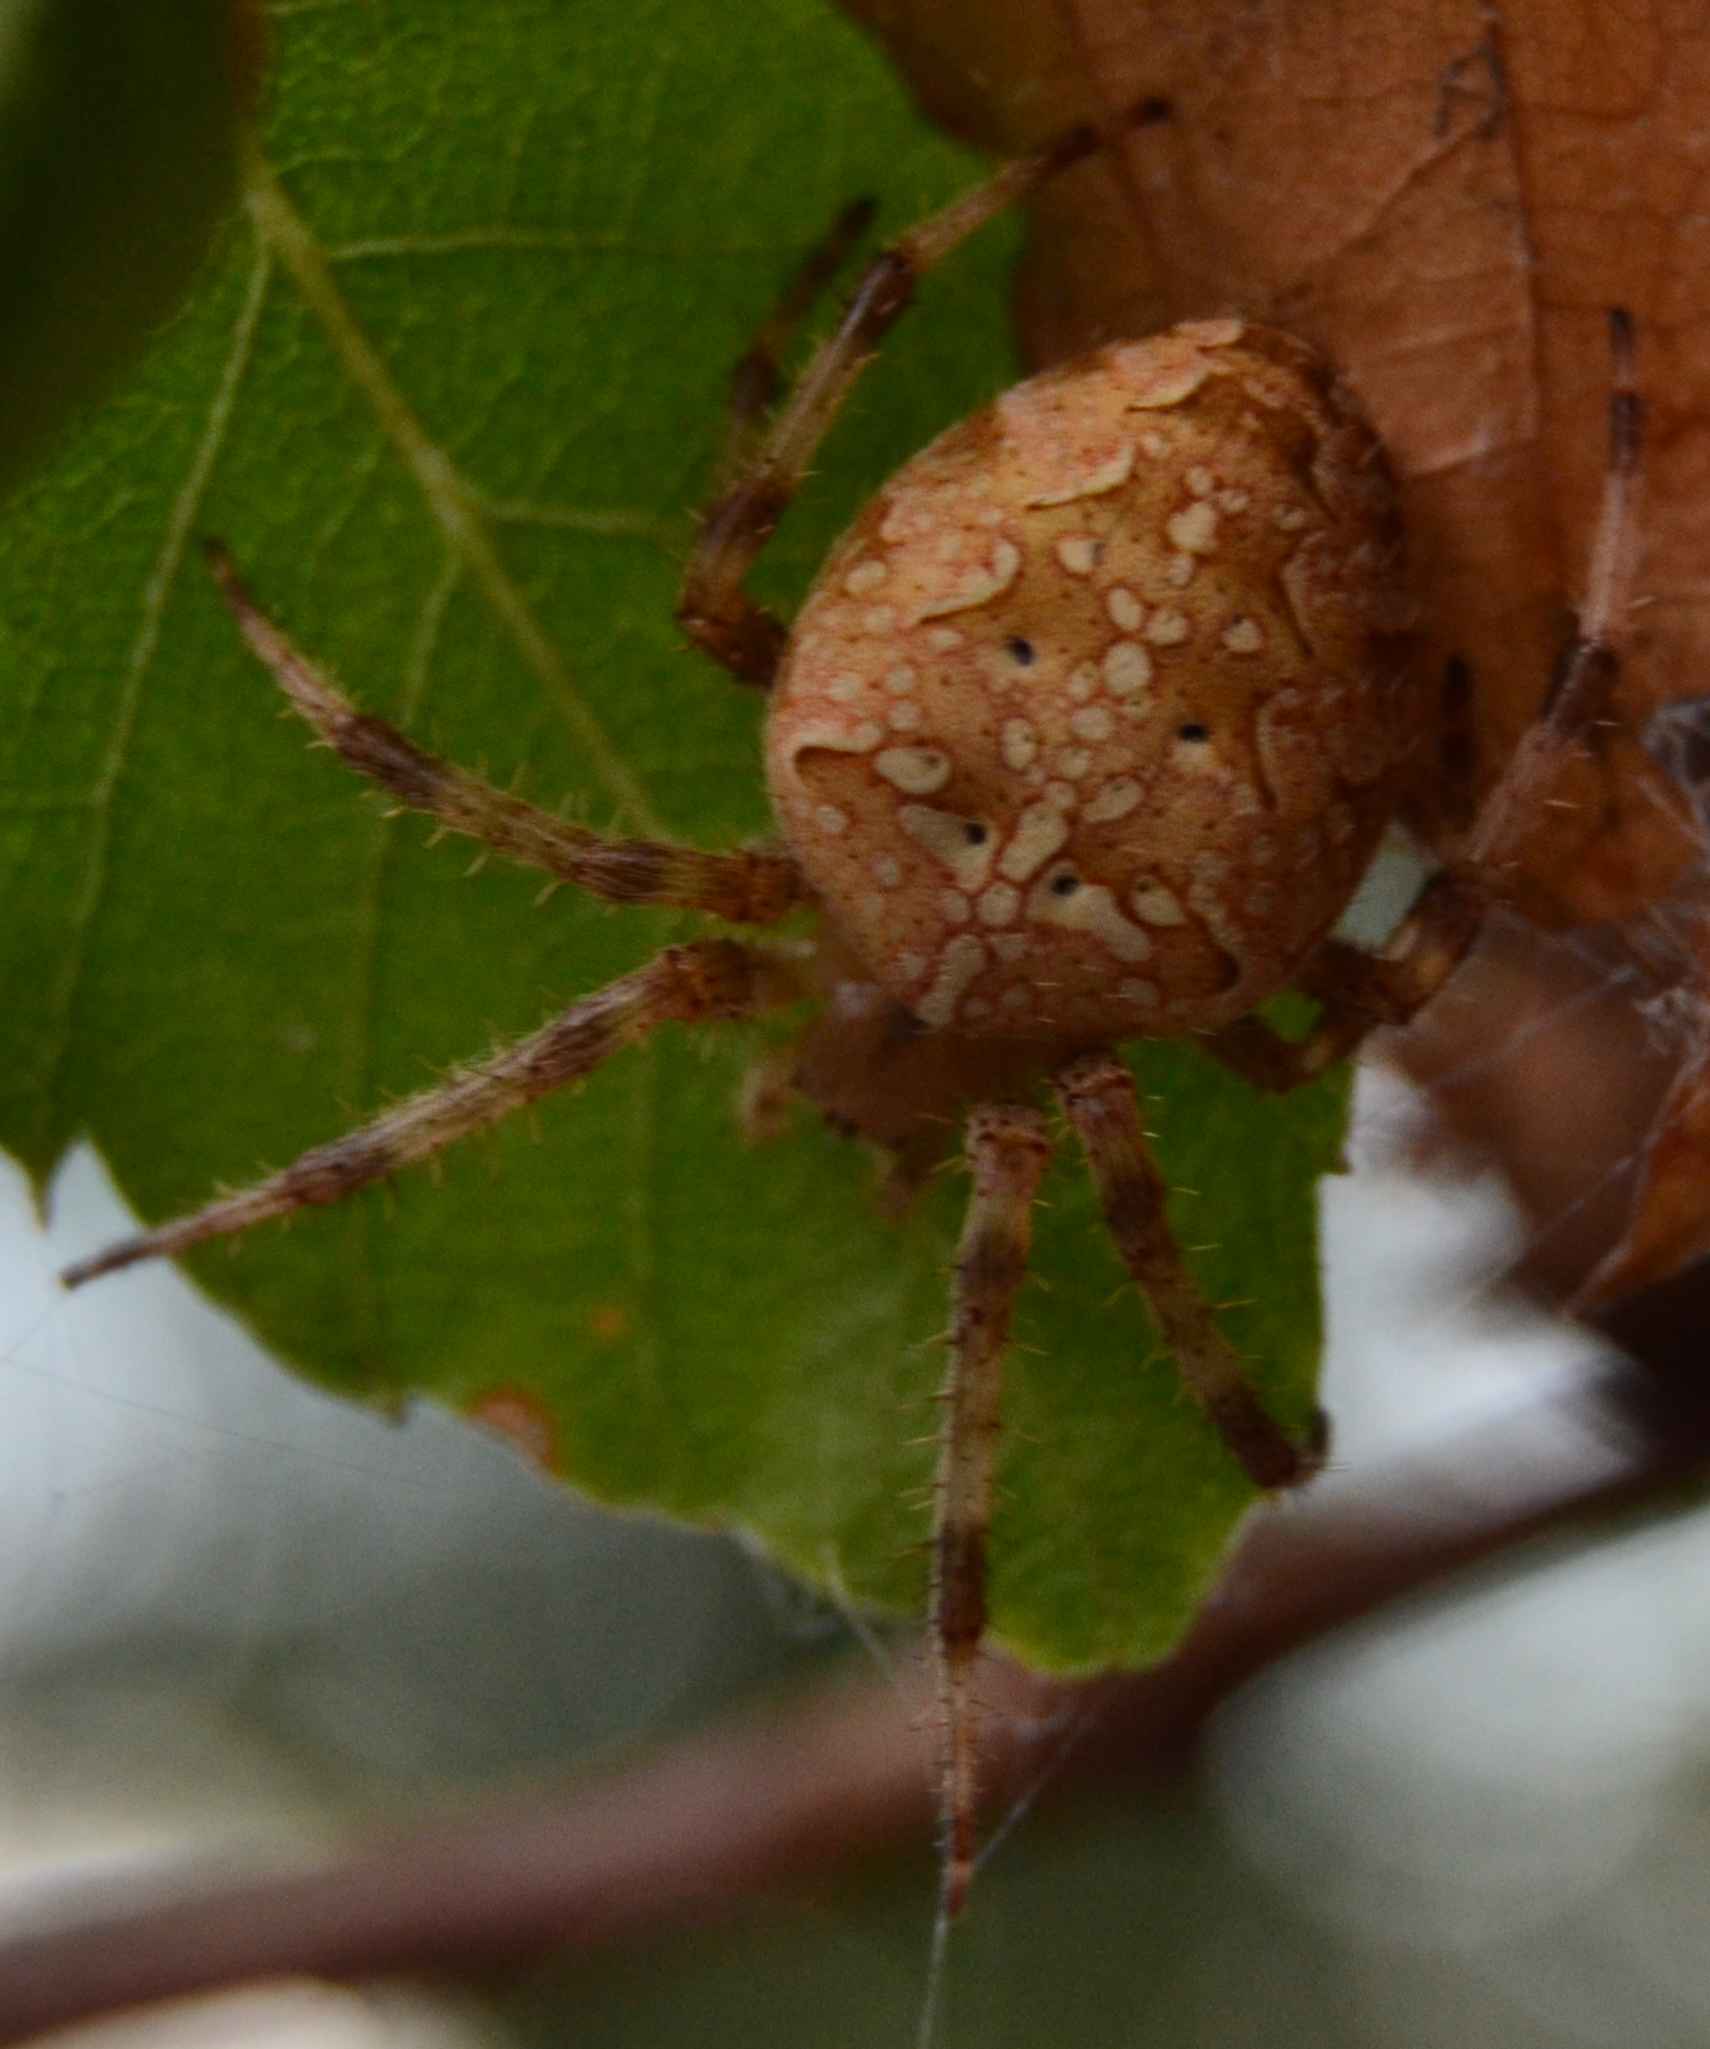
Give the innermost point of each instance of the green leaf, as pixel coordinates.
(118, 154)
(494, 288)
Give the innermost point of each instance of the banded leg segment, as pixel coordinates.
(714, 608)
(1586, 675)
(757, 380)
(707, 978)
(1098, 1094)
(1008, 1149)
(747, 887)
(1361, 991)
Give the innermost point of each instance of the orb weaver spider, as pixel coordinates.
(1086, 732)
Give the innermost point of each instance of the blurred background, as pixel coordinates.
(243, 1622)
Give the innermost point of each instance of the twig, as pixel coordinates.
(804, 1786)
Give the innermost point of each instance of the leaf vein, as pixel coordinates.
(181, 518)
(619, 523)
(453, 503)
(482, 241)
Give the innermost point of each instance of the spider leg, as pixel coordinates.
(704, 979)
(714, 609)
(1587, 672)
(1097, 1092)
(757, 378)
(748, 887)
(1361, 991)
(1008, 1149)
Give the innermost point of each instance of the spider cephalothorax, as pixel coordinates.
(1085, 733)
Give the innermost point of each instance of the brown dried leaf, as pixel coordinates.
(1669, 1227)
(1447, 199)
(1546, 1061)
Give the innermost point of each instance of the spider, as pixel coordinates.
(1085, 733)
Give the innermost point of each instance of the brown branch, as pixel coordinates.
(803, 1786)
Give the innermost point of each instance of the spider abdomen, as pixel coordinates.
(1090, 723)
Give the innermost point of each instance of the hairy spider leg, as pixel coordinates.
(714, 608)
(757, 377)
(1098, 1095)
(1360, 991)
(1586, 675)
(708, 978)
(747, 887)
(1008, 1149)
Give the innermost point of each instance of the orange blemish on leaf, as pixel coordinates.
(523, 1419)
(609, 1322)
